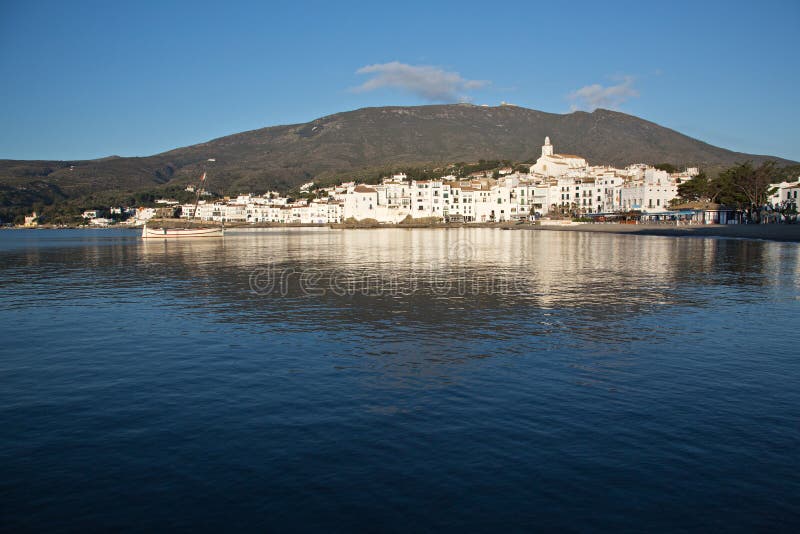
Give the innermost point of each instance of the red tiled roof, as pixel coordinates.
(364, 189)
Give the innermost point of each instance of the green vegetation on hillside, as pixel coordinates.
(62, 210)
(369, 142)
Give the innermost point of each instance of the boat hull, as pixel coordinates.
(181, 233)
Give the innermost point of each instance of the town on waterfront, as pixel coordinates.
(557, 189)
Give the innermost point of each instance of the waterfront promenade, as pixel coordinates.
(773, 232)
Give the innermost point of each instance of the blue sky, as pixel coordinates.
(92, 79)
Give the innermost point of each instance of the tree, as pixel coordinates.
(697, 188)
(745, 185)
(669, 167)
(522, 167)
(742, 185)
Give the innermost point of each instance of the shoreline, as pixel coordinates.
(787, 233)
(772, 232)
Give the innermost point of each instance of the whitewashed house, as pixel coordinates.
(361, 203)
(651, 194)
(785, 192)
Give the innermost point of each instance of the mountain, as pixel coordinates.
(367, 140)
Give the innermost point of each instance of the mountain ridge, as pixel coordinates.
(373, 139)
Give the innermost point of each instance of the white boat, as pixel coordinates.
(190, 231)
(168, 233)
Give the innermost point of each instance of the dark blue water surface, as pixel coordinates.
(398, 380)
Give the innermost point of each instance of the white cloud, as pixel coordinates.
(431, 83)
(595, 96)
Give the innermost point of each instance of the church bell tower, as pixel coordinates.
(547, 148)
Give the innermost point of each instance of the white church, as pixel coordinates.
(555, 165)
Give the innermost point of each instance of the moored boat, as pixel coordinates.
(189, 231)
(162, 233)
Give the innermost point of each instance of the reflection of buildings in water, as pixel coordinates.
(579, 289)
(460, 277)
(784, 261)
(584, 295)
(555, 269)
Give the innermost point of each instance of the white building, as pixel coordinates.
(651, 194)
(234, 213)
(553, 165)
(785, 192)
(143, 215)
(361, 203)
